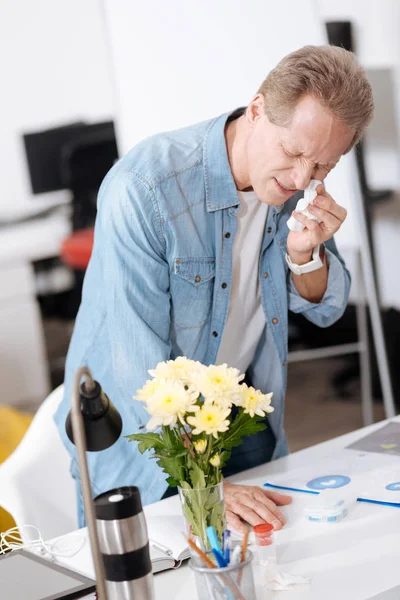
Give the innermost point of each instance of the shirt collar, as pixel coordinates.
(220, 186)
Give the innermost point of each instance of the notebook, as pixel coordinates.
(168, 547)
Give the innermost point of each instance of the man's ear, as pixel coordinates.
(256, 109)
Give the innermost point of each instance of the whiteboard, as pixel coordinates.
(180, 62)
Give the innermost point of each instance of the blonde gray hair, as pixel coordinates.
(330, 74)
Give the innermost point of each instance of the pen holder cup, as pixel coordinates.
(228, 583)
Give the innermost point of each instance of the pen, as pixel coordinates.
(161, 547)
(226, 546)
(215, 546)
(289, 489)
(244, 545)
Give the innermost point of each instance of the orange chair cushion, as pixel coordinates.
(76, 249)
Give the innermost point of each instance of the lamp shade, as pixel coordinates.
(102, 421)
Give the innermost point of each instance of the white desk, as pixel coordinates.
(351, 560)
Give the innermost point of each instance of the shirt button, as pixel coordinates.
(227, 235)
(197, 278)
(215, 333)
(269, 229)
(284, 363)
(265, 275)
(275, 321)
(281, 243)
(224, 285)
(178, 262)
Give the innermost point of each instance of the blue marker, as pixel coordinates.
(215, 546)
(226, 545)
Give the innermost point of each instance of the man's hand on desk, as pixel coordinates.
(252, 504)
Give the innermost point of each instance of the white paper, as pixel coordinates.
(303, 204)
(277, 580)
(358, 474)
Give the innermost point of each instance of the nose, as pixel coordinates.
(302, 175)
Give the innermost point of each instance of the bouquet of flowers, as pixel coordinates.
(198, 414)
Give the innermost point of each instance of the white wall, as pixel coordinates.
(54, 69)
(180, 62)
(376, 29)
(201, 58)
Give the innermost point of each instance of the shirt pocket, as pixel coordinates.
(192, 286)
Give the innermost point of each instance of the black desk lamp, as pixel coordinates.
(94, 424)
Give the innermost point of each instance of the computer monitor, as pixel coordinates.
(43, 150)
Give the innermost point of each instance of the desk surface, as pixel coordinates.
(355, 559)
(35, 239)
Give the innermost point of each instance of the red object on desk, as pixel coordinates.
(77, 248)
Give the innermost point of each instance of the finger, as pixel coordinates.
(331, 222)
(243, 510)
(255, 512)
(271, 512)
(310, 224)
(279, 499)
(235, 522)
(326, 202)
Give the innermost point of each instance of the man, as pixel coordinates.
(193, 256)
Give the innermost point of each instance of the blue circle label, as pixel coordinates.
(328, 482)
(394, 487)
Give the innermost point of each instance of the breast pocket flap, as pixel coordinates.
(195, 270)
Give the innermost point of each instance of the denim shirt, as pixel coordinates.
(153, 289)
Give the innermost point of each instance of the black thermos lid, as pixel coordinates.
(120, 503)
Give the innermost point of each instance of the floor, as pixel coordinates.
(314, 410)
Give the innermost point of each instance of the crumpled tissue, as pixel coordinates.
(302, 206)
(277, 580)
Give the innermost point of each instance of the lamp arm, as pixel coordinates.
(80, 443)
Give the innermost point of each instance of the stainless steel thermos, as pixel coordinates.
(124, 544)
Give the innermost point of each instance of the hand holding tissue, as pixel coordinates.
(310, 193)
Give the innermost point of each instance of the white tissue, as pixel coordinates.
(302, 206)
(277, 580)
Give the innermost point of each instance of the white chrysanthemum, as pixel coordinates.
(179, 369)
(149, 388)
(210, 419)
(170, 402)
(255, 402)
(219, 384)
(215, 460)
(200, 446)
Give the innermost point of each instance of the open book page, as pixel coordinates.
(166, 535)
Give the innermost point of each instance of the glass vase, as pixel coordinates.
(202, 507)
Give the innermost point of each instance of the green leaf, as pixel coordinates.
(172, 482)
(197, 476)
(171, 466)
(242, 426)
(147, 441)
(185, 485)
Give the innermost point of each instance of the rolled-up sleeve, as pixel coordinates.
(335, 299)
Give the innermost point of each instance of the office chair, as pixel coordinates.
(36, 486)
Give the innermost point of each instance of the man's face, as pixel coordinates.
(283, 160)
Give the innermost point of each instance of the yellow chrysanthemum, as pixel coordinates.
(170, 402)
(210, 419)
(200, 446)
(255, 402)
(179, 369)
(219, 384)
(215, 460)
